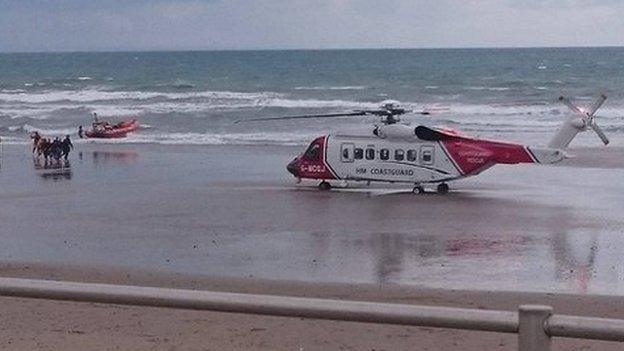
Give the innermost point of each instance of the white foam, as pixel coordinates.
(84, 78)
(93, 95)
(312, 103)
(48, 132)
(268, 138)
(17, 110)
(323, 87)
(488, 88)
(9, 140)
(12, 91)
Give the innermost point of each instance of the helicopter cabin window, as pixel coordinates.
(426, 155)
(346, 152)
(384, 154)
(411, 155)
(399, 155)
(370, 154)
(312, 153)
(358, 153)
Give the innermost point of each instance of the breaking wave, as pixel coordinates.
(93, 95)
(278, 138)
(322, 87)
(177, 116)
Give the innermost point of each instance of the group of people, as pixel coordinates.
(51, 149)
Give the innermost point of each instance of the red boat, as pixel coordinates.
(107, 130)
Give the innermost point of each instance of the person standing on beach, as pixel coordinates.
(55, 149)
(66, 147)
(80, 132)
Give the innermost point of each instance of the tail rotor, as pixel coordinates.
(588, 116)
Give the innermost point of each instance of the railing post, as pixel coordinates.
(531, 333)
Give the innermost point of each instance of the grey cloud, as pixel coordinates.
(44, 25)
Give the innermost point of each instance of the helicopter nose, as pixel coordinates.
(292, 167)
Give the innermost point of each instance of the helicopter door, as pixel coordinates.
(427, 155)
(346, 152)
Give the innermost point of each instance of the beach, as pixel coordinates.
(230, 218)
(53, 325)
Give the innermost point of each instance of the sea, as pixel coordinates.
(198, 97)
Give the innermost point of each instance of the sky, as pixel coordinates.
(122, 25)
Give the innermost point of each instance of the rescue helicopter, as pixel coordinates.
(421, 155)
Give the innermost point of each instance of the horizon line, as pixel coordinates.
(308, 49)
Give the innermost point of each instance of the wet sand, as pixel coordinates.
(230, 218)
(236, 212)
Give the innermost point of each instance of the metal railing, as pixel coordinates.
(534, 324)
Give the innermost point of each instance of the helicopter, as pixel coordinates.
(421, 155)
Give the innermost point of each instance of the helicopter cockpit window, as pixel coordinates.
(312, 153)
(399, 155)
(370, 154)
(358, 153)
(384, 154)
(411, 155)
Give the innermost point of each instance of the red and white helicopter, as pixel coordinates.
(393, 152)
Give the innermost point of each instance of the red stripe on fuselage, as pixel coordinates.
(472, 156)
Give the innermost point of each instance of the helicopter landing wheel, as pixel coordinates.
(418, 190)
(443, 188)
(324, 185)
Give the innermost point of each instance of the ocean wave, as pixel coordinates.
(27, 128)
(12, 91)
(313, 103)
(488, 88)
(229, 101)
(181, 84)
(93, 95)
(323, 87)
(40, 106)
(525, 109)
(267, 138)
(10, 140)
(17, 112)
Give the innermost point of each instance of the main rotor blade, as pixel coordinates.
(596, 105)
(347, 114)
(600, 133)
(571, 106)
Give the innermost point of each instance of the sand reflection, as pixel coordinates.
(53, 169)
